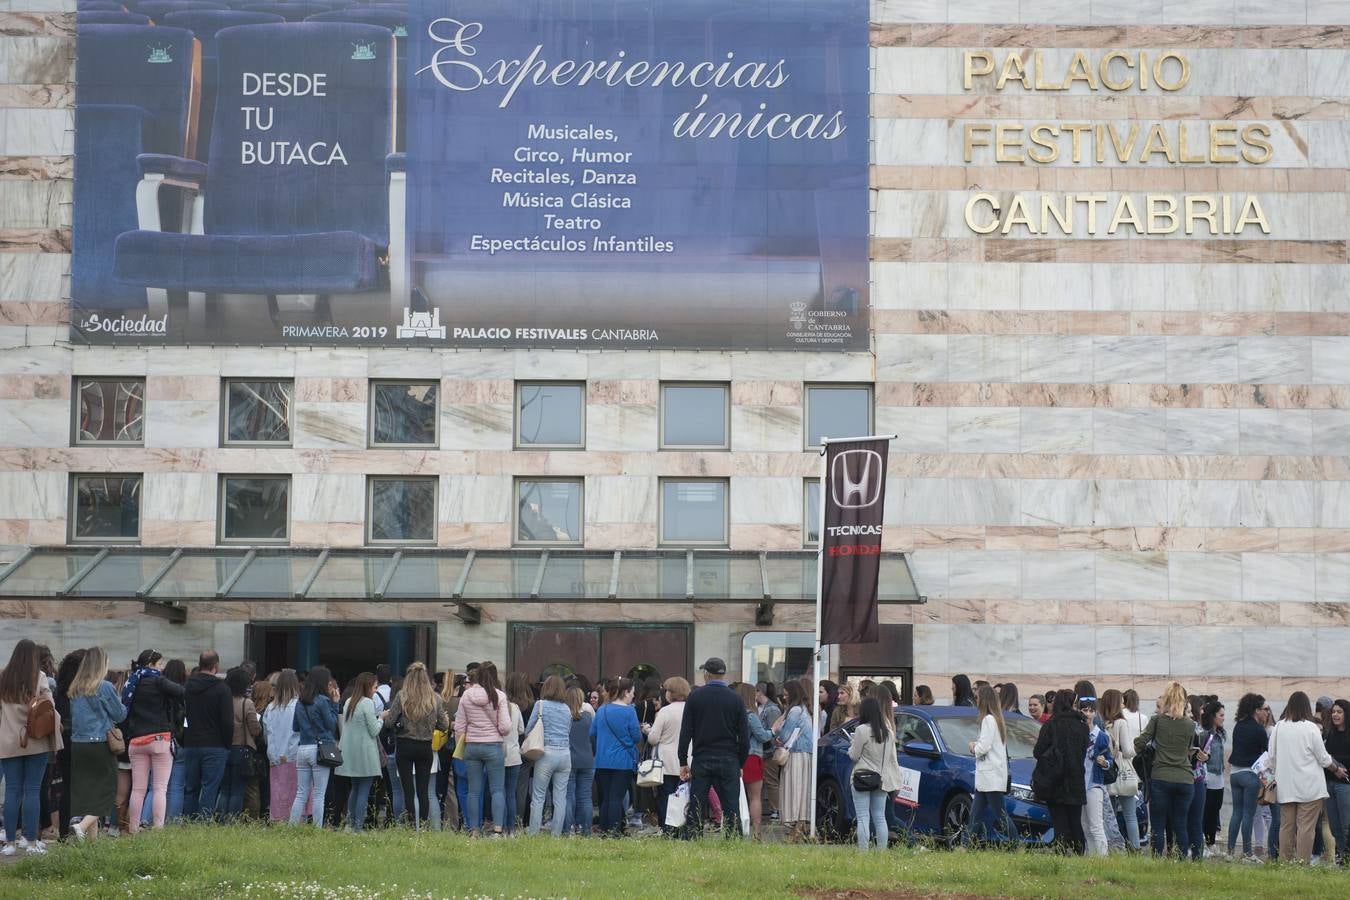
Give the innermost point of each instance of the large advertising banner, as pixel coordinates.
(474, 173)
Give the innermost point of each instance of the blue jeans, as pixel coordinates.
(232, 786)
(1126, 810)
(552, 770)
(870, 807)
(580, 811)
(23, 793)
(987, 805)
(395, 790)
(1168, 805)
(1338, 814)
(173, 803)
(1195, 822)
(1273, 838)
(203, 771)
(357, 801)
(712, 771)
(613, 783)
(1245, 786)
(512, 807)
(478, 760)
(311, 783)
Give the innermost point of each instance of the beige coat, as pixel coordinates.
(13, 721)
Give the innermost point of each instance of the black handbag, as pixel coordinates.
(329, 754)
(866, 780)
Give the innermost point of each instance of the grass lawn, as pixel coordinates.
(284, 862)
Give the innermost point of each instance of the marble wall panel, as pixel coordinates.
(1200, 504)
(767, 500)
(1278, 577)
(26, 203)
(985, 575)
(328, 498)
(1061, 502)
(1271, 431)
(1333, 579)
(987, 286)
(1278, 288)
(906, 285)
(914, 501)
(1129, 430)
(1130, 576)
(331, 425)
(918, 429)
(182, 423)
(1331, 360)
(36, 132)
(33, 495)
(978, 501)
(1129, 502)
(485, 498)
(1196, 577)
(1126, 359)
(974, 429)
(1058, 575)
(1057, 359)
(1208, 651)
(618, 498)
(761, 428)
(1056, 286)
(911, 357)
(1064, 648)
(34, 423)
(625, 426)
(1281, 651)
(983, 649)
(32, 276)
(477, 426)
(1202, 431)
(674, 365)
(1202, 360)
(978, 357)
(1056, 430)
(1332, 660)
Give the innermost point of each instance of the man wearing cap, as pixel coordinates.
(717, 736)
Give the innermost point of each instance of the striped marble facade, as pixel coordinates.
(1118, 456)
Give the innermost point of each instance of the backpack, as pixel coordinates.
(41, 720)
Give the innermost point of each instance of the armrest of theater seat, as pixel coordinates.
(176, 167)
(395, 167)
(395, 162)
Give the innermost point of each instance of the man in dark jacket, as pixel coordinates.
(715, 729)
(207, 737)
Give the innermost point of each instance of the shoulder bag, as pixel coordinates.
(116, 743)
(1267, 795)
(783, 754)
(651, 771)
(866, 780)
(532, 748)
(1127, 779)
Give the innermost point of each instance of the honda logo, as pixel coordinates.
(855, 478)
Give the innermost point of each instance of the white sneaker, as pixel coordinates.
(7, 850)
(36, 847)
(22, 843)
(1253, 858)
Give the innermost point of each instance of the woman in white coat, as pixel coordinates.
(664, 735)
(991, 772)
(1299, 757)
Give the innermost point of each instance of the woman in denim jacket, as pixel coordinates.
(95, 708)
(316, 718)
(796, 776)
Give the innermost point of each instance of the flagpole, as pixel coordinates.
(815, 665)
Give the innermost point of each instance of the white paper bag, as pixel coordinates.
(745, 813)
(675, 806)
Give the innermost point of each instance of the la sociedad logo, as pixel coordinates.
(125, 325)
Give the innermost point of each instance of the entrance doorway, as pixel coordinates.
(632, 651)
(347, 649)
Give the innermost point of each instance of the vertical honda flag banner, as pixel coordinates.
(850, 558)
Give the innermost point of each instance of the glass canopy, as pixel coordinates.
(471, 576)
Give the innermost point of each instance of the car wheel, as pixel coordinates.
(956, 819)
(830, 811)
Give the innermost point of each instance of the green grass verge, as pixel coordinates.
(284, 862)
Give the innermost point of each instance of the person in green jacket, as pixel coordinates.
(1172, 784)
(360, 748)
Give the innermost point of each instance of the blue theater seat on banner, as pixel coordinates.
(396, 20)
(290, 11)
(205, 24)
(98, 6)
(292, 227)
(158, 9)
(108, 17)
(137, 94)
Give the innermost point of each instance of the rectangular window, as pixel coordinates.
(105, 508)
(254, 508)
(403, 414)
(837, 411)
(695, 416)
(551, 414)
(109, 410)
(811, 512)
(257, 412)
(401, 510)
(694, 511)
(549, 511)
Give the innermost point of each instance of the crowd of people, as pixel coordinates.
(86, 750)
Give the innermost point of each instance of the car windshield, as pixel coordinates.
(957, 733)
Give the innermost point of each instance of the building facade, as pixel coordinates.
(1110, 326)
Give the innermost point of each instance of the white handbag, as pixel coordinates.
(675, 806)
(532, 749)
(651, 772)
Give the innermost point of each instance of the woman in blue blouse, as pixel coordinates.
(795, 734)
(95, 709)
(616, 735)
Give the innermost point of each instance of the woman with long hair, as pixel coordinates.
(923, 695)
(315, 720)
(521, 697)
(872, 750)
(1249, 742)
(283, 743)
(752, 773)
(23, 757)
(580, 813)
(1300, 755)
(65, 674)
(845, 707)
(828, 695)
(795, 734)
(1122, 735)
(1059, 779)
(415, 713)
(1336, 737)
(962, 693)
(616, 735)
(360, 747)
(990, 750)
(95, 709)
(1171, 782)
(1007, 697)
(1216, 736)
(176, 670)
(483, 719)
(553, 770)
(243, 746)
(149, 733)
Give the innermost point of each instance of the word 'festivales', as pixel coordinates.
(453, 67)
(1155, 214)
(1214, 143)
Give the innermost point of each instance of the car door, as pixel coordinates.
(934, 778)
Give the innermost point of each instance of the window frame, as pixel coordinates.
(807, 522)
(516, 483)
(372, 541)
(516, 413)
(75, 439)
(226, 441)
(371, 390)
(663, 541)
(221, 509)
(73, 505)
(662, 444)
(808, 387)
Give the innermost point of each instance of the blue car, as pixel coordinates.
(932, 741)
